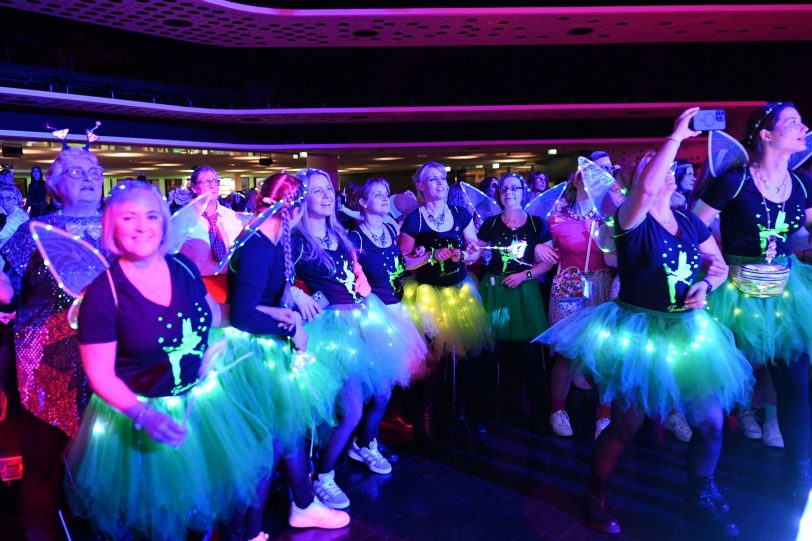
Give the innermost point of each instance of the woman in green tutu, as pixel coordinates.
(655, 348)
(289, 389)
(510, 289)
(766, 302)
(163, 447)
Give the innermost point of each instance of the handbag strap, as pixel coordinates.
(589, 243)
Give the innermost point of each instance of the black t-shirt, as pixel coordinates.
(505, 260)
(440, 273)
(256, 276)
(746, 224)
(159, 348)
(383, 267)
(656, 268)
(337, 286)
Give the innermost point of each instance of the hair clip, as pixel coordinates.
(757, 125)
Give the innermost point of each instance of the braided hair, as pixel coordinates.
(275, 188)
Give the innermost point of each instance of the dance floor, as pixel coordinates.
(515, 484)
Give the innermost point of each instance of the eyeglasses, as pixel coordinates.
(212, 182)
(79, 173)
(506, 189)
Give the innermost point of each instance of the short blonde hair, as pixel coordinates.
(122, 192)
(63, 162)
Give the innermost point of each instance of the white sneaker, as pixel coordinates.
(677, 425)
(772, 434)
(749, 425)
(560, 422)
(317, 515)
(600, 425)
(370, 456)
(328, 492)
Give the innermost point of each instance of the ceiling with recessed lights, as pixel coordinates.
(384, 85)
(230, 24)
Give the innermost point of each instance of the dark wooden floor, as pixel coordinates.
(515, 484)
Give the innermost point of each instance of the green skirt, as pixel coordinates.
(654, 361)
(516, 314)
(290, 392)
(773, 328)
(127, 483)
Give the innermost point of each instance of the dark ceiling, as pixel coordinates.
(747, 53)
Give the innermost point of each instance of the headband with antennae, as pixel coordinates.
(62, 135)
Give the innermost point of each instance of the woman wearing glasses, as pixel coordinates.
(52, 384)
(510, 290)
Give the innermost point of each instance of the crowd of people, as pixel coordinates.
(195, 370)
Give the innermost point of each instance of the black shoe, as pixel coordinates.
(598, 515)
(708, 507)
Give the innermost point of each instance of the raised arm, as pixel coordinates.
(645, 189)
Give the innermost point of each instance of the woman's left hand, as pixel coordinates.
(716, 266)
(695, 299)
(514, 280)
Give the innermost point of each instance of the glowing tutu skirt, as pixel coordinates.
(367, 342)
(128, 484)
(290, 392)
(451, 317)
(516, 314)
(772, 328)
(654, 361)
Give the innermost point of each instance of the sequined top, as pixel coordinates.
(52, 383)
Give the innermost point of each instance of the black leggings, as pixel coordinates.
(703, 450)
(791, 383)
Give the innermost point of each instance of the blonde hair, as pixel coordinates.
(122, 192)
(313, 249)
(422, 174)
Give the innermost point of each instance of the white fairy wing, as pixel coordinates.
(184, 221)
(601, 187)
(543, 204)
(247, 232)
(798, 158)
(245, 217)
(483, 206)
(725, 152)
(72, 262)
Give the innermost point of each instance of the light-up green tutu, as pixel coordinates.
(516, 314)
(127, 483)
(451, 317)
(290, 391)
(772, 328)
(654, 361)
(367, 342)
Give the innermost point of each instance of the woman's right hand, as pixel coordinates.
(446, 253)
(682, 125)
(6, 289)
(160, 427)
(308, 307)
(419, 251)
(299, 338)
